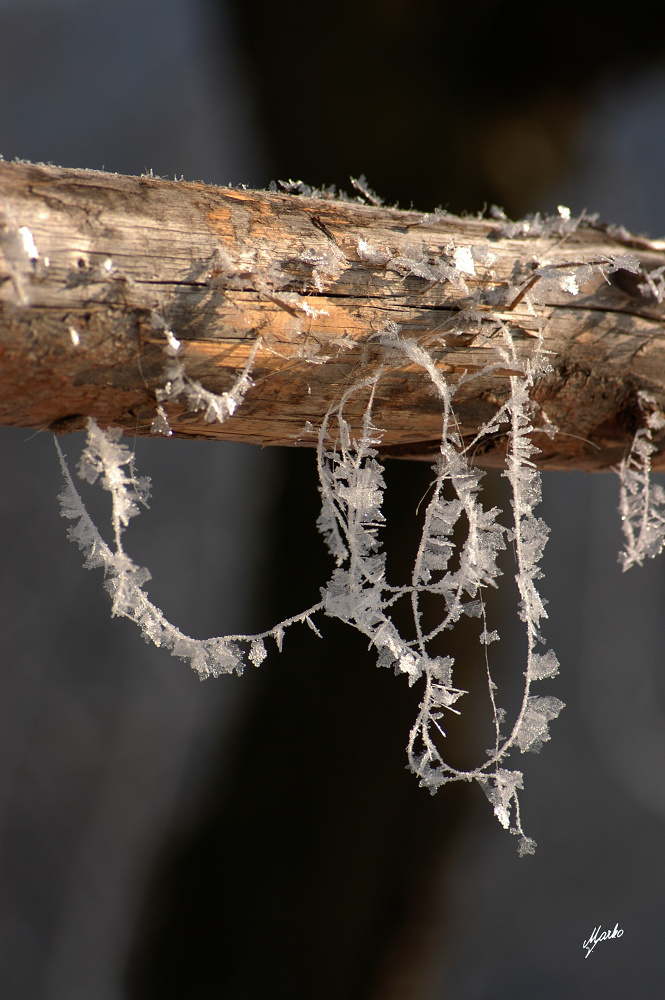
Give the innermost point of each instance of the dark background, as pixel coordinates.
(261, 837)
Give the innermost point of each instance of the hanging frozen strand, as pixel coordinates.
(642, 502)
(358, 593)
(478, 568)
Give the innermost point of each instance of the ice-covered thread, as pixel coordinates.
(641, 502)
(352, 484)
(218, 407)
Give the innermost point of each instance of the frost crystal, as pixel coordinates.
(160, 424)
(542, 666)
(463, 258)
(257, 652)
(351, 483)
(360, 184)
(532, 731)
(501, 789)
(641, 502)
(111, 463)
(654, 283)
(461, 540)
(217, 406)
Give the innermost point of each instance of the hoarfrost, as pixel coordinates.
(526, 846)
(360, 184)
(373, 255)
(654, 283)
(543, 665)
(501, 789)
(257, 652)
(463, 257)
(106, 460)
(461, 540)
(535, 225)
(641, 502)
(532, 730)
(160, 423)
(352, 484)
(217, 406)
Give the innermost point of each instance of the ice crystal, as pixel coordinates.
(217, 406)
(358, 593)
(642, 502)
(532, 729)
(654, 283)
(360, 184)
(501, 789)
(106, 460)
(461, 540)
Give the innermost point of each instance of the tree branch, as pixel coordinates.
(96, 268)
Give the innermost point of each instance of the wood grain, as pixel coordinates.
(316, 279)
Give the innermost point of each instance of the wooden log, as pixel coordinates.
(95, 268)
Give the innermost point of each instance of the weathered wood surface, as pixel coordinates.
(94, 265)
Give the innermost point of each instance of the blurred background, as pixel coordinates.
(259, 836)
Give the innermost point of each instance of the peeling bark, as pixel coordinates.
(95, 267)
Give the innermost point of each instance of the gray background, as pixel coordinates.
(109, 749)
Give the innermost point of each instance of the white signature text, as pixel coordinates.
(596, 936)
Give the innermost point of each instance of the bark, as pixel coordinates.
(95, 267)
